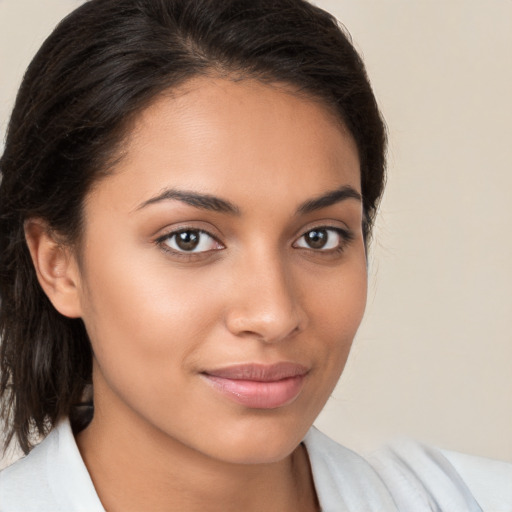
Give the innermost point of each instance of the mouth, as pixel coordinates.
(259, 386)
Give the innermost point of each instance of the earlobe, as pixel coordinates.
(56, 268)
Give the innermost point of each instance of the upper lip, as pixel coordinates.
(259, 372)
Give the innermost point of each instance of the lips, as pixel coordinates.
(259, 386)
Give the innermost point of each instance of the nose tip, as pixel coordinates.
(267, 308)
(269, 327)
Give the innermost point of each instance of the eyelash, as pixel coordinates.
(345, 238)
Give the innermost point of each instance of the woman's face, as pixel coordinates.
(223, 274)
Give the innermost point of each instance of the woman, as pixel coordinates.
(188, 189)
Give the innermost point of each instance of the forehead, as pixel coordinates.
(244, 139)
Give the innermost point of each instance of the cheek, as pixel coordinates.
(141, 317)
(146, 328)
(336, 311)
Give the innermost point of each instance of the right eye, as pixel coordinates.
(190, 241)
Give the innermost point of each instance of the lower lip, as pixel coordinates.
(257, 394)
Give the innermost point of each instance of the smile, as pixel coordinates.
(259, 386)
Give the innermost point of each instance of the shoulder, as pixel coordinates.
(407, 476)
(51, 478)
(24, 485)
(490, 481)
(424, 478)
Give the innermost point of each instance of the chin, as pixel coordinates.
(264, 442)
(258, 454)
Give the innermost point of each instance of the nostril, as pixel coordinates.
(266, 327)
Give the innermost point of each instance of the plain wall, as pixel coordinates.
(432, 359)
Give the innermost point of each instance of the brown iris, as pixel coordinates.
(187, 240)
(316, 238)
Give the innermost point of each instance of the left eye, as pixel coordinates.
(321, 239)
(191, 241)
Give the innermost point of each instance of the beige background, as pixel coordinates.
(434, 355)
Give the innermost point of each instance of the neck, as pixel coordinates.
(135, 466)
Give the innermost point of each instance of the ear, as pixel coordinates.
(56, 268)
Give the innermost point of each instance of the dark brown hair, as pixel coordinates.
(102, 64)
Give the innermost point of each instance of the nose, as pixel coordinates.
(266, 303)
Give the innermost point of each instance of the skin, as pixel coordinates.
(162, 437)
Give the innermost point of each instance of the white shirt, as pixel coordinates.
(53, 478)
(424, 479)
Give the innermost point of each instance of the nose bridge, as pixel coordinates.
(266, 304)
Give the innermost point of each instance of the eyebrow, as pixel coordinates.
(202, 201)
(329, 199)
(216, 204)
